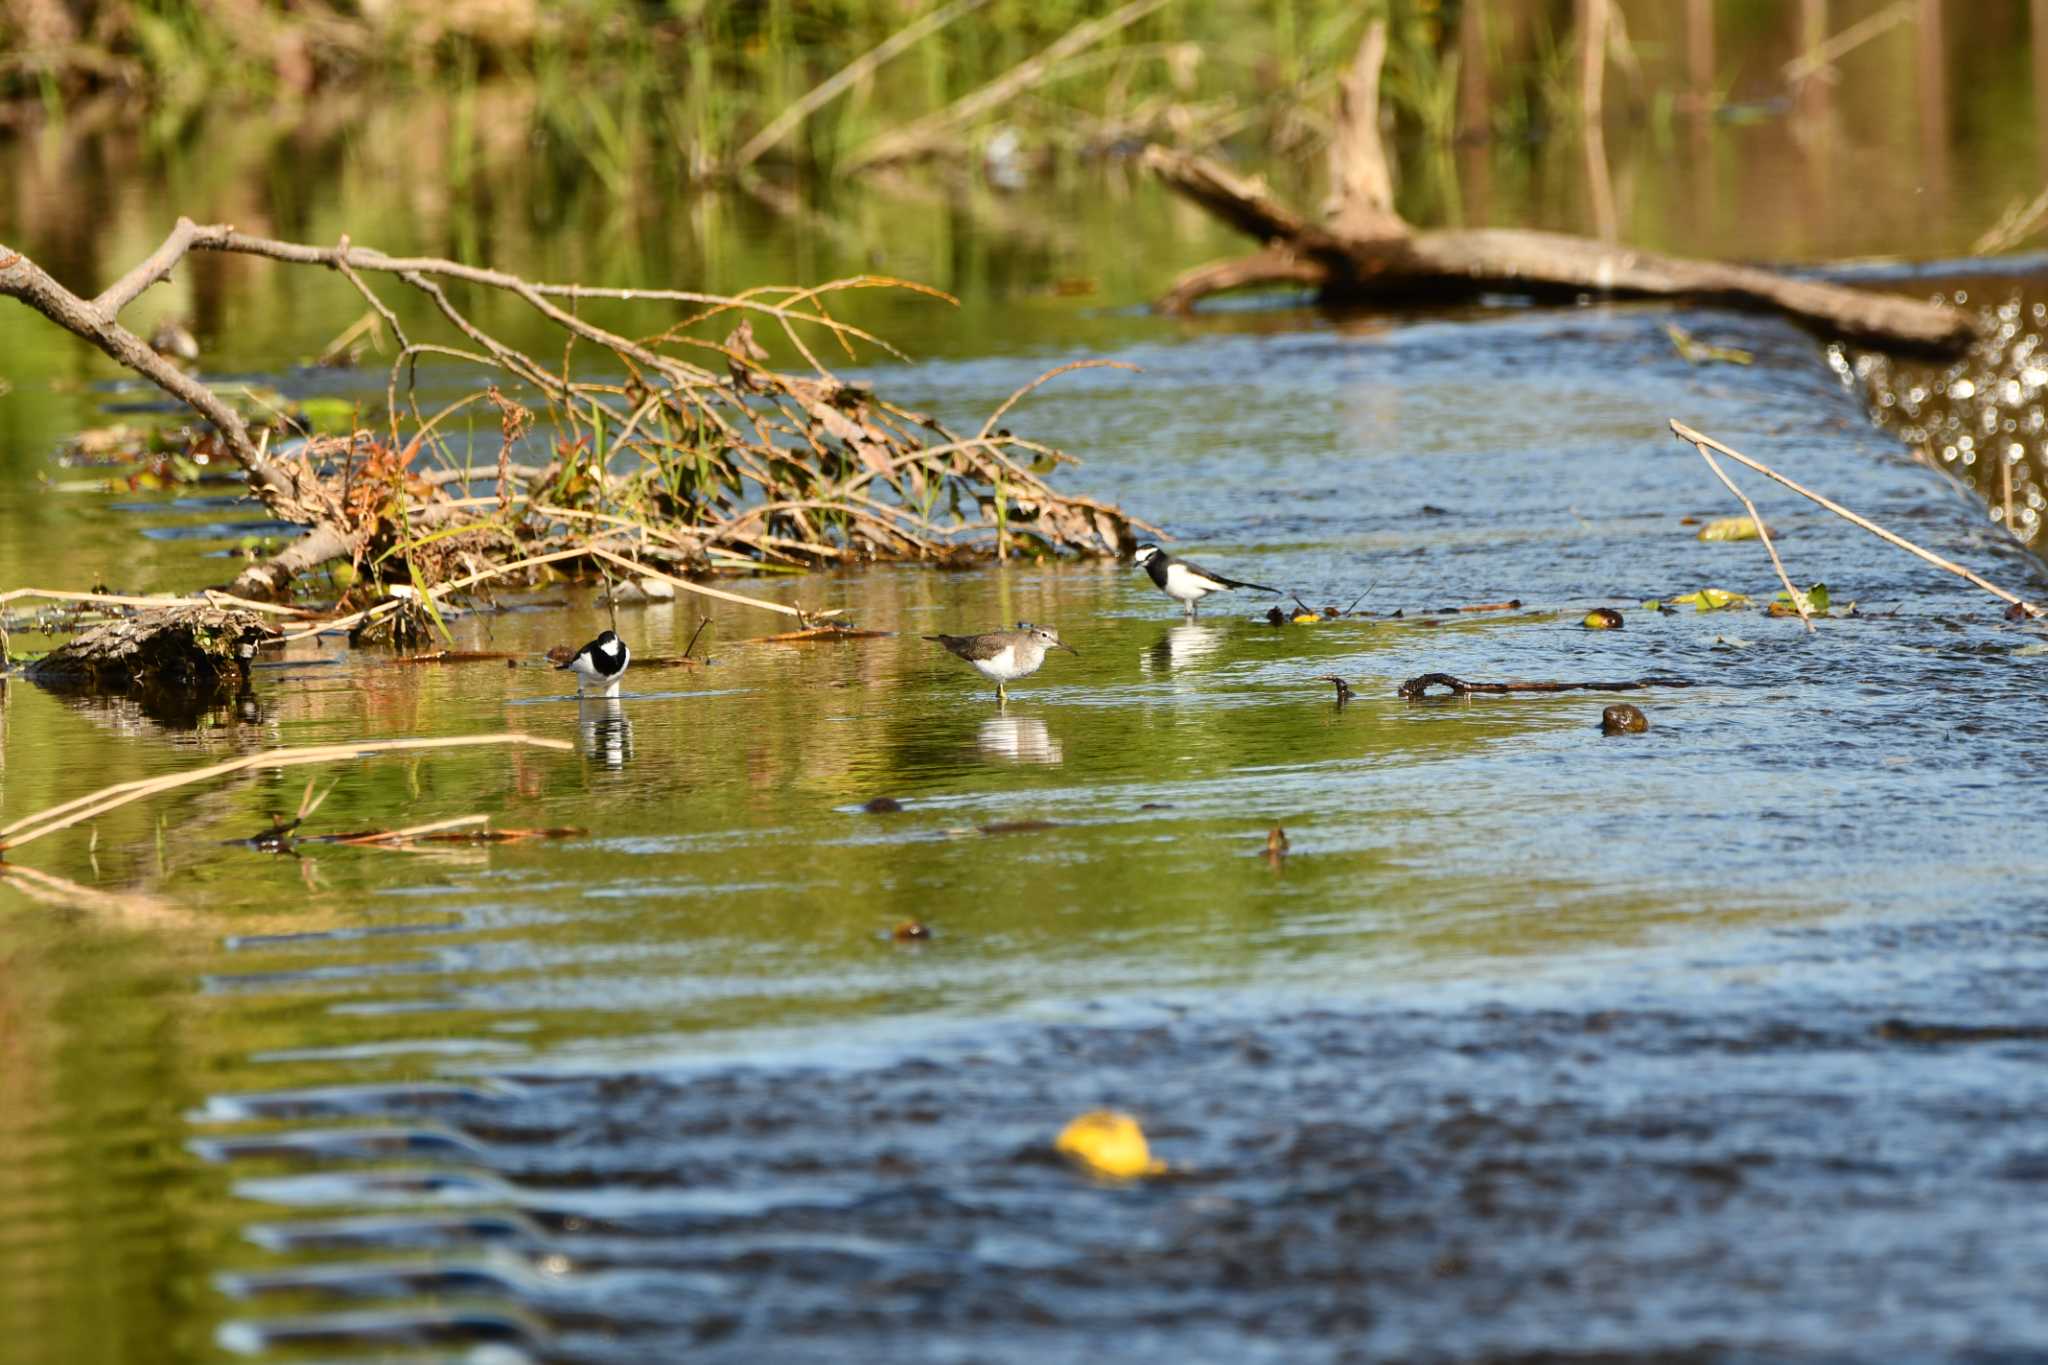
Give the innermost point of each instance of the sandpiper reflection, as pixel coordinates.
(607, 734)
(1179, 647)
(1022, 739)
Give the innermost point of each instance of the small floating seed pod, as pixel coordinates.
(1603, 618)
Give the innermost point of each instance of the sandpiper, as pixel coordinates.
(1005, 655)
(599, 664)
(1184, 582)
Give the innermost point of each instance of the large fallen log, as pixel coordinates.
(1363, 251)
(194, 649)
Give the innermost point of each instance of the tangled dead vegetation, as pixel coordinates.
(682, 453)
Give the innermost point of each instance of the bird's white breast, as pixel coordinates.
(1187, 585)
(1001, 665)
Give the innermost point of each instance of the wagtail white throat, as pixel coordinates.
(599, 665)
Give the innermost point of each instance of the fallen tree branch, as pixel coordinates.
(1415, 689)
(706, 469)
(1703, 443)
(1363, 251)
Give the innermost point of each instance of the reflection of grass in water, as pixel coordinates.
(647, 97)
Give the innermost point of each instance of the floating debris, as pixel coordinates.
(1623, 719)
(1416, 689)
(1275, 851)
(1018, 826)
(457, 656)
(1603, 618)
(883, 805)
(1711, 599)
(813, 634)
(1696, 352)
(911, 931)
(1731, 528)
(1107, 1143)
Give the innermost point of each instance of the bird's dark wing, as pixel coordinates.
(582, 653)
(971, 647)
(1215, 577)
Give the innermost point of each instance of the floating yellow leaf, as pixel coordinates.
(1712, 599)
(1697, 352)
(1730, 528)
(1108, 1143)
(1603, 618)
(1306, 618)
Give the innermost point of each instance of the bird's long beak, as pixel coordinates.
(1069, 648)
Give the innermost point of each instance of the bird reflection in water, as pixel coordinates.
(1022, 739)
(1179, 647)
(607, 734)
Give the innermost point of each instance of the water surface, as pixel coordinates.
(1715, 1042)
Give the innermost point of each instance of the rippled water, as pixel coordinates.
(1719, 1042)
(1535, 1040)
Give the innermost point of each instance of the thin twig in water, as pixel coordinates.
(1047, 377)
(389, 836)
(1417, 688)
(1756, 519)
(1687, 434)
(687, 586)
(702, 622)
(83, 808)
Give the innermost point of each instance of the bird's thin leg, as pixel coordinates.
(1002, 696)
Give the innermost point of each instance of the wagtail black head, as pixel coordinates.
(600, 664)
(1185, 582)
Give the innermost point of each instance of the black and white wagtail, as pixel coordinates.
(599, 664)
(1185, 582)
(1005, 655)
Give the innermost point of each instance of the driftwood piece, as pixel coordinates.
(186, 649)
(1363, 250)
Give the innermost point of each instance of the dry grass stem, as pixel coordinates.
(1825, 55)
(1764, 534)
(1703, 443)
(390, 836)
(792, 118)
(82, 808)
(64, 894)
(687, 586)
(158, 600)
